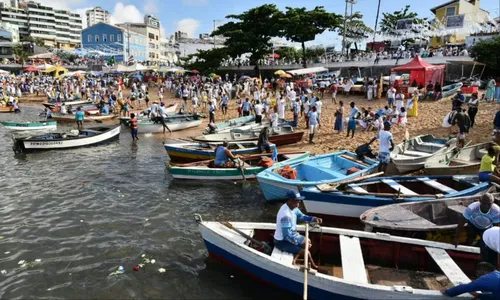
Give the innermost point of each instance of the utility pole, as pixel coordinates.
(376, 23)
(214, 34)
(352, 2)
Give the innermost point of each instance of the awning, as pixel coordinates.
(308, 71)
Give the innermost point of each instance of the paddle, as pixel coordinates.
(266, 247)
(306, 261)
(245, 183)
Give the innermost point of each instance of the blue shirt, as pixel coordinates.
(224, 100)
(211, 108)
(313, 118)
(220, 156)
(105, 110)
(489, 284)
(296, 108)
(482, 220)
(246, 106)
(80, 115)
(289, 229)
(354, 112)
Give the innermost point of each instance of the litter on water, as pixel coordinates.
(6, 252)
(161, 270)
(3, 272)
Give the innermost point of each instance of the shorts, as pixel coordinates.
(224, 105)
(322, 90)
(334, 94)
(313, 129)
(384, 158)
(484, 176)
(184, 98)
(287, 247)
(125, 108)
(390, 101)
(265, 147)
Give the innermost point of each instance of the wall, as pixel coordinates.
(138, 46)
(115, 47)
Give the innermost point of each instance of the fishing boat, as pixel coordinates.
(29, 126)
(191, 152)
(174, 124)
(68, 140)
(352, 264)
(256, 127)
(331, 167)
(89, 108)
(68, 102)
(277, 135)
(412, 154)
(233, 123)
(452, 89)
(353, 199)
(457, 161)
(250, 166)
(6, 109)
(71, 117)
(431, 220)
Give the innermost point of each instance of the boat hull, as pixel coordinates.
(459, 170)
(158, 128)
(44, 145)
(30, 126)
(71, 118)
(278, 140)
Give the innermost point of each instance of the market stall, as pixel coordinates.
(421, 72)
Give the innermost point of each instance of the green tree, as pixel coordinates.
(357, 30)
(206, 61)
(301, 25)
(313, 53)
(20, 53)
(37, 41)
(486, 51)
(289, 53)
(251, 32)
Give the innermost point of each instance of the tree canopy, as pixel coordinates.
(20, 53)
(486, 51)
(389, 20)
(357, 30)
(206, 61)
(301, 25)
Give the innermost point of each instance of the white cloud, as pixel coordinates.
(189, 26)
(151, 7)
(126, 13)
(194, 2)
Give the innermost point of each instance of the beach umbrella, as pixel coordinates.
(31, 69)
(137, 76)
(286, 75)
(217, 76)
(212, 74)
(195, 72)
(279, 72)
(44, 66)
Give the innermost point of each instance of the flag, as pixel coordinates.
(131, 59)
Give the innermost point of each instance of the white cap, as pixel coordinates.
(491, 238)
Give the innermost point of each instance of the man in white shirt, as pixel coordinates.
(318, 104)
(273, 118)
(490, 246)
(391, 92)
(258, 108)
(385, 148)
(281, 108)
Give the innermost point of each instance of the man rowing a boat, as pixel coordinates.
(286, 237)
(224, 158)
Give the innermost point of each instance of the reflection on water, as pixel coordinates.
(84, 212)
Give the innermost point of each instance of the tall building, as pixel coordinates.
(9, 3)
(109, 40)
(97, 15)
(151, 29)
(9, 36)
(57, 28)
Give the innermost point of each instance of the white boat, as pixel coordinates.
(412, 154)
(361, 265)
(71, 117)
(175, 124)
(457, 161)
(67, 140)
(30, 126)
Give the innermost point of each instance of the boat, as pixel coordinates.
(6, 109)
(250, 166)
(68, 102)
(458, 161)
(191, 152)
(174, 124)
(29, 126)
(278, 135)
(71, 117)
(452, 89)
(257, 127)
(331, 167)
(357, 197)
(233, 123)
(431, 220)
(67, 140)
(90, 108)
(412, 154)
(352, 264)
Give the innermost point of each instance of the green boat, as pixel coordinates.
(28, 126)
(250, 165)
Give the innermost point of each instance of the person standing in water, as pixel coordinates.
(134, 126)
(79, 117)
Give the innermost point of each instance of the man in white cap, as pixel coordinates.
(286, 237)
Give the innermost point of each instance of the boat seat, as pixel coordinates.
(438, 186)
(358, 189)
(398, 187)
(457, 208)
(415, 153)
(353, 264)
(448, 266)
(240, 146)
(335, 174)
(283, 257)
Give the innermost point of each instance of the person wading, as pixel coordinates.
(134, 126)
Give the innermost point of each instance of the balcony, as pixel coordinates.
(44, 11)
(40, 23)
(43, 36)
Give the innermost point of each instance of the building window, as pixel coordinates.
(111, 37)
(96, 38)
(119, 38)
(451, 11)
(104, 38)
(89, 39)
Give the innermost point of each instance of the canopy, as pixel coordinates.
(279, 72)
(417, 64)
(308, 71)
(421, 72)
(31, 69)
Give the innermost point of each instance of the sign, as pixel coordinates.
(472, 40)
(455, 21)
(152, 21)
(404, 24)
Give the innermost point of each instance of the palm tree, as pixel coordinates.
(20, 53)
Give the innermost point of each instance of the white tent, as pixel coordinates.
(47, 55)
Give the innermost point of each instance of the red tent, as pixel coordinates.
(31, 69)
(422, 72)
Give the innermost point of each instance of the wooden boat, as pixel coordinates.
(457, 161)
(412, 154)
(250, 164)
(29, 126)
(278, 136)
(256, 127)
(74, 139)
(233, 123)
(358, 197)
(174, 124)
(71, 117)
(7, 109)
(354, 264)
(191, 152)
(452, 89)
(331, 167)
(68, 102)
(88, 108)
(431, 220)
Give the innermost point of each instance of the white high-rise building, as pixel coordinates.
(57, 28)
(97, 15)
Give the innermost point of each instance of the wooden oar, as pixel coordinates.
(258, 243)
(245, 183)
(331, 186)
(354, 160)
(306, 262)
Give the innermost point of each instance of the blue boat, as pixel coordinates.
(326, 168)
(357, 197)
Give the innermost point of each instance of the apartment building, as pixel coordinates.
(97, 15)
(57, 28)
(151, 29)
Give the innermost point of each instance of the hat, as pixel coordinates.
(294, 195)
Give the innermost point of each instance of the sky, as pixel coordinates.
(198, 16)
